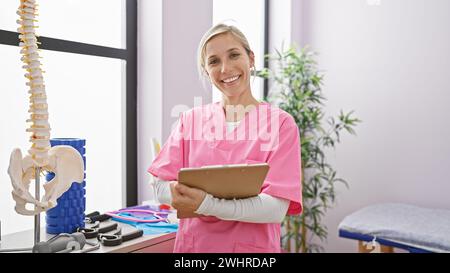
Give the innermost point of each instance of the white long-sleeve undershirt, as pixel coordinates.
(262, 208)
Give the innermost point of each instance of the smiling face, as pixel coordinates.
(228, 65)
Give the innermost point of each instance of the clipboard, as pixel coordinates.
(224, 181)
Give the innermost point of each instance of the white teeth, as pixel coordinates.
(231, 79)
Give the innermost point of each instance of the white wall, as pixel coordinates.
(389, 63)
(149, 87)
(285, 28)
(184, 23)
(279, 23)
(168, 35)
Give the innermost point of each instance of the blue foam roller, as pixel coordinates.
(65, 212)
(69, 220)
(69, 213)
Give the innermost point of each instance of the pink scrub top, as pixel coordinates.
(200, 138)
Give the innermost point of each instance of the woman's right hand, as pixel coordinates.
(186, 198)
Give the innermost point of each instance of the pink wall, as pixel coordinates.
(389, 63)
(184, 23)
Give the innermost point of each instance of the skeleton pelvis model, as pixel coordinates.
(64, 161)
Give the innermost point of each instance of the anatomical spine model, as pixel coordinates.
(64, 161)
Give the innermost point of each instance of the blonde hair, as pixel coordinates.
(218, 29)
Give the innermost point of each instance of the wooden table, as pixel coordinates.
(159, 243)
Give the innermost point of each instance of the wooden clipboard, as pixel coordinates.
(224, 181)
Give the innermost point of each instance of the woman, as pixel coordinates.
(237, 130)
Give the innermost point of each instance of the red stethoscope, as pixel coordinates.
(156, 214)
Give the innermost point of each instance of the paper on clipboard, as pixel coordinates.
(225, 181)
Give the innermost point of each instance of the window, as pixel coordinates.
(90, 65)
(254, 28)
(99, 22)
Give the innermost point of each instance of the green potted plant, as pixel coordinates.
(299, 85)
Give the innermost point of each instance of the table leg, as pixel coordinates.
(362, 248)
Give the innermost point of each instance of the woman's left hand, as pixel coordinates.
(186, 198)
